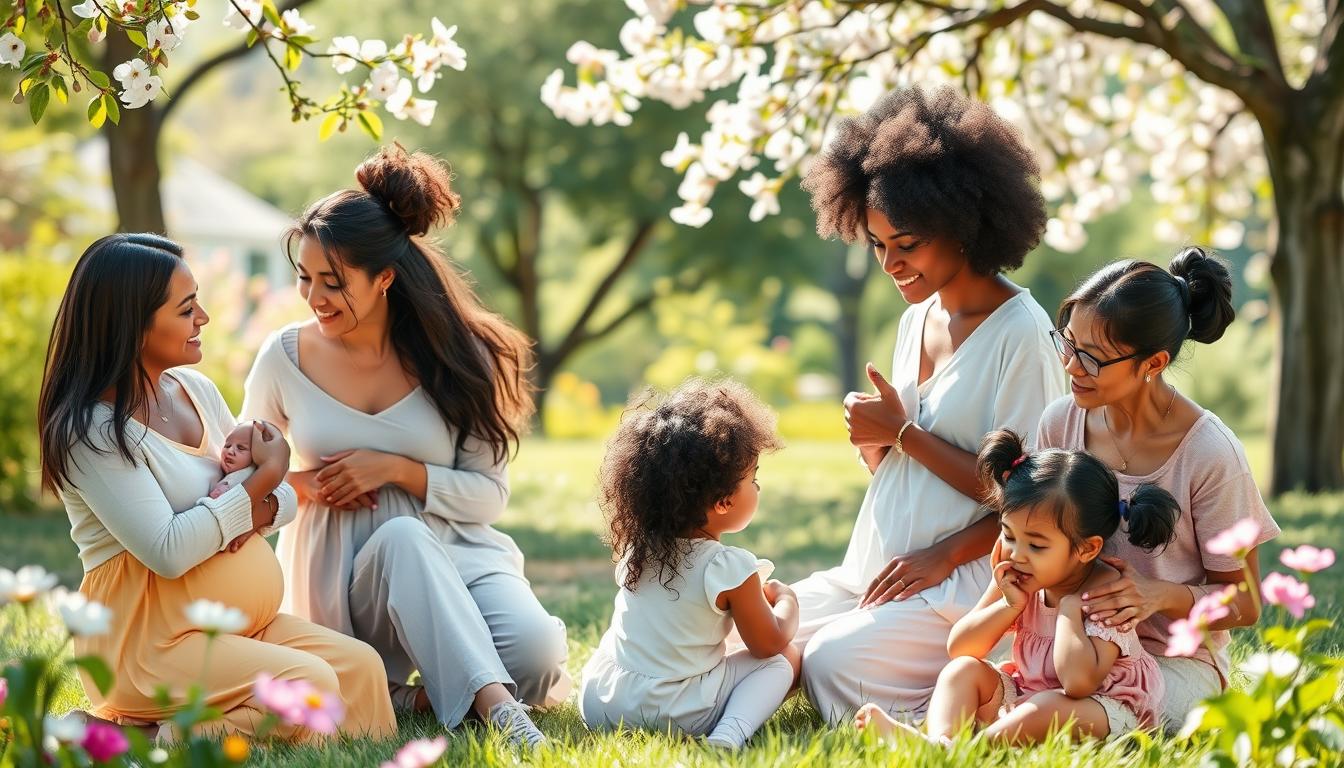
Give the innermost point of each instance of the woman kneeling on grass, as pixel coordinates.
(1056, 508)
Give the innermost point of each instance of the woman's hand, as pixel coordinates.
(907, 575)
(1009, 582)
(1124, 602)
(874, 419)
(350, 475)
(268, 447)
(307, 488)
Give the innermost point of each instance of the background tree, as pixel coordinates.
(1233, 110)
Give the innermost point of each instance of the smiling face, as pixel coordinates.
(1039, 550)
(237, 452)
(340, 297)
(173, 335)
(919, 265)
(1114, 382)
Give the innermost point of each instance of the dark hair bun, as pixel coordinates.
(998, 451)
(1152, 517)
(1210, 285)
(415, 187)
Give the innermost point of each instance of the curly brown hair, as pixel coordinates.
(938, 165)
(670, 462)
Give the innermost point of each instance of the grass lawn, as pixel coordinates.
(811, 493)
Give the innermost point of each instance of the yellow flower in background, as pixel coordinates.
(235, 749)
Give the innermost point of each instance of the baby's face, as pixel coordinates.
(237, 452)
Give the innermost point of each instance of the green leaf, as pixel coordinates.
(193, 15)
(97, 670)
(300, 39)
(252, 38)
(1316, 693)
(372, 124)
(32, 61)
(58, 87)
(293, 57)
(99, 79)
(137, 37)
(113, 108)
(97, 111)
(38, 96)
(272, 15)
(329, 124)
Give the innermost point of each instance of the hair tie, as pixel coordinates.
(1184, 286)
(1124, 510)
(1014, 465)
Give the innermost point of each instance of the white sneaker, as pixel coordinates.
(510, 717)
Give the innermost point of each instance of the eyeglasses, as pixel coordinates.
(1091, 365)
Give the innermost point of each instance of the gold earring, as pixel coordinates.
(1148, 378)
(384, 291)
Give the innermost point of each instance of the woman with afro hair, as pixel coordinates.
(946, 193)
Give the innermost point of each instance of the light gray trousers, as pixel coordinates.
(408, 600)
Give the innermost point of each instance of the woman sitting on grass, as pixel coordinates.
(1056, 509)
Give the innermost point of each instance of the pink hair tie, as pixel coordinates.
(1016, 462)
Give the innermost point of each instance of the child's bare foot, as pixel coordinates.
(872, 717)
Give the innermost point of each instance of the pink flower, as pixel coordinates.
(1307, 559)
(419, 753)
(1292, 594)
(1211, 607)
(1185, 639)
(1236, 541)
(299, 703)
(104, 742)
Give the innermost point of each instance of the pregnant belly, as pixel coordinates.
(249, 580)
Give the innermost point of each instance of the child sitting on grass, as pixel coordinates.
(675, 479)
(1056, 509)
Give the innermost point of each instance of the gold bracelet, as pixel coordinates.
(900, 449)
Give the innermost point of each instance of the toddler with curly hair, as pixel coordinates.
(677, 476)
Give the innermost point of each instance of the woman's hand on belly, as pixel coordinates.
(308, 489)
(907, 575)
(350, 476)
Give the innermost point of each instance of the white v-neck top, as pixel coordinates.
(467, 489)
(1002, 375)
(158, 507)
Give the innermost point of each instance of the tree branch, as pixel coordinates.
(575, 336)
(1254, 33)
(214, 62)
(641, 304)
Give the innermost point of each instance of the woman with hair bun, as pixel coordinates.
(402, 398)
(1118, 334)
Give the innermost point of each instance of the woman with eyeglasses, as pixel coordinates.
(1118, 334)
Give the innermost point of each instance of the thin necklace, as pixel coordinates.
(1124, 463)
(169, 397)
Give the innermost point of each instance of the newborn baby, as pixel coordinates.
(235, 459)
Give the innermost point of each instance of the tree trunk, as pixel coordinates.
(542, 375)
(133, 156)
(847, 283)
(1307, 168)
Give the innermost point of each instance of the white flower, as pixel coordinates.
(251, 15)
(682, 155)
(67, 728)
(764, 192)
(424, 64)
(296, 23)
(403, 105)
(372, 49)
(383, 81)
(347, 50)
(83, 617)
(158, 755)
(213, 617)
(691, 215)
(30, 582)
(131, 73)
(159, 35)
(86, 10)
(11, 49)
(1281, 664)
(551, 90)
(450, 53)
(142, 92)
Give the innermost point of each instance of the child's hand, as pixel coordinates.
(1009, 582)
(219, 489)
(238, 543)
(775, 589)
